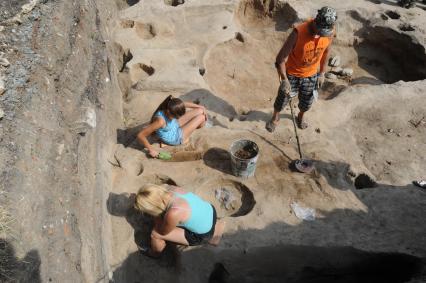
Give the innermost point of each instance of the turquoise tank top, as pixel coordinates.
(172, 132)
(201, 219)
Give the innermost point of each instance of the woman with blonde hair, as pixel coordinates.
(180, 217)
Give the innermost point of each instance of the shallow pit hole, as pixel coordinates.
(127, 56)
(127, 23)
(145, 31)
(174, 3)
(159, 179)
(224, 27)
(147, 69)
(132, 2)
(393, 15)
(406, 27)
(363, 181)
(382, 52)
(229, 197)
(239, 37)
(261, 14)
(330, 90)
(384, 17)
(202, 71)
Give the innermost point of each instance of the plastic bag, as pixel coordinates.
(304, 213)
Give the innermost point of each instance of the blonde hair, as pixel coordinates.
(152, 199)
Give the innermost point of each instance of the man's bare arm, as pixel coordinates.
(284, 53)
(324, 59)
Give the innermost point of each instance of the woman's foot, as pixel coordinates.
(218, 232)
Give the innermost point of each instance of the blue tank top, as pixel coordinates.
(171, 133)
(201, 219)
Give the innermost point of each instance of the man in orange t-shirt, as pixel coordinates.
(301, 64)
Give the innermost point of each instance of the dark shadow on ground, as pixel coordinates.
(127, 136)
(13, 269)
(289, 262)
(210, 101)
(335, 172)
(132, 2)
(366, 81)
(256, 115)
(391, 3)
(121, 205)
(285, 263)
(218, 159)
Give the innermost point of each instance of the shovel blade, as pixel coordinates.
(304, 165)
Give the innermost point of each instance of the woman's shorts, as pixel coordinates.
(195, 239)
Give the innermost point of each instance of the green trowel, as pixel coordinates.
(164, 155)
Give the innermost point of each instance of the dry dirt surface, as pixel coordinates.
(84, 76)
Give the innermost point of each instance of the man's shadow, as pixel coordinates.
(12, 269)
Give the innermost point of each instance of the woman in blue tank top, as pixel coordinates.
(172, 123)
(180, 217)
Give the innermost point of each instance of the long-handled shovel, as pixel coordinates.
(302, 165)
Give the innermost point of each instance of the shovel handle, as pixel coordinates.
(295, 128)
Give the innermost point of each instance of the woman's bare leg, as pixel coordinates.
(189, 116)
(195, 123)
(218, 232)
(158, 241)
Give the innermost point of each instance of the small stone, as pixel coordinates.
(351, 173)
(389, 162)
(1, 113)
(347, 72)
(245, 110)
(86, 121)
(337, 70)
(318, 130)
(330, 76)
(2, 86)
(4, 62)
(29, 7)
(60, 148)
(390, 130)
(335, 61)
(398, 134)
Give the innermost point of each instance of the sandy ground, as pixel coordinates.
(361, 125)
(67, 181)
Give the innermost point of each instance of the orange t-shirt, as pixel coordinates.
(304, 60)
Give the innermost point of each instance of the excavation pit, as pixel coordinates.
(230, 198)
(159, 179)
(382, 53)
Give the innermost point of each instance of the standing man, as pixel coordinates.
(301, 64)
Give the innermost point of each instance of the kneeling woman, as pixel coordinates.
(180, 217)
(172, 123)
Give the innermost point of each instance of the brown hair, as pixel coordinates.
(174, 106)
